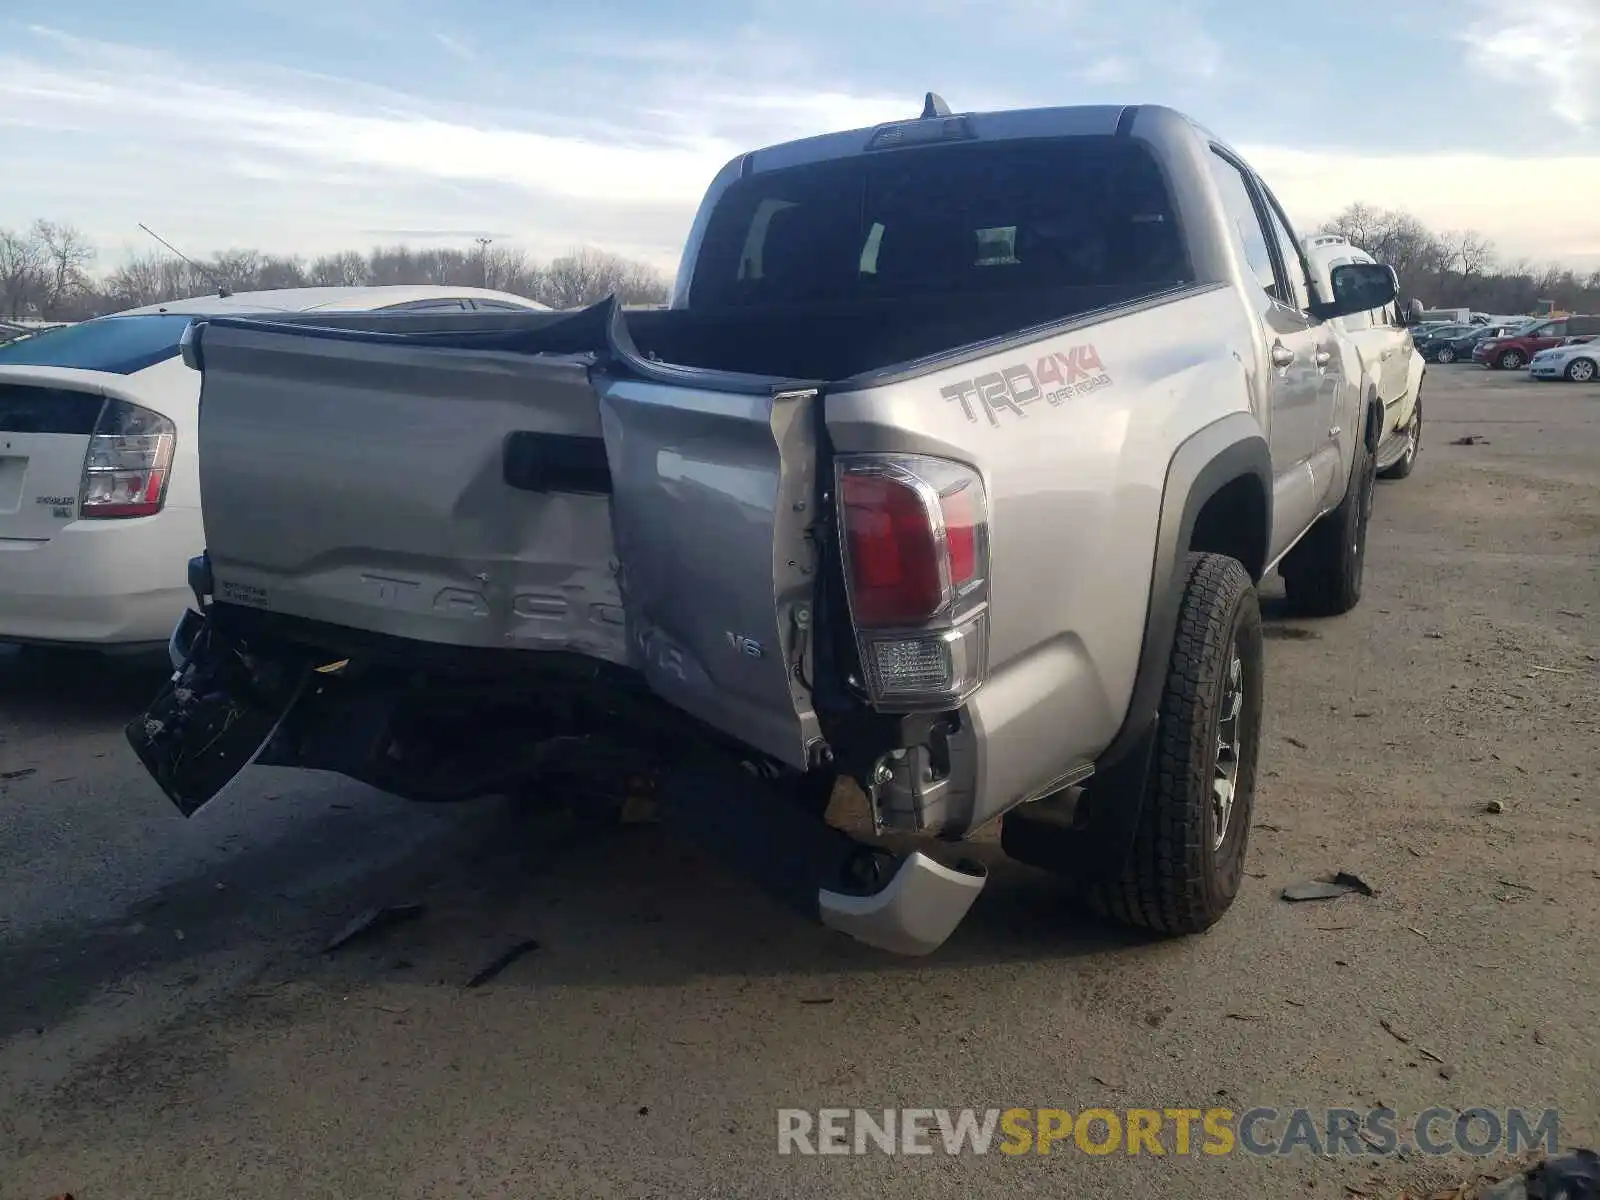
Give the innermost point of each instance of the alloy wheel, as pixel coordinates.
(1225, 781)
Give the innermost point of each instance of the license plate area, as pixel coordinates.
(214, 715)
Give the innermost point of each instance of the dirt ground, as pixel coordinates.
(171, 1027)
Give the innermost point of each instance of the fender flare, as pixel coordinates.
(1372, 426)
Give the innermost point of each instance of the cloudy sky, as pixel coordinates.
(307, 127)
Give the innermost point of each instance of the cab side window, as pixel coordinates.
(1294, 263)
(1241, 210)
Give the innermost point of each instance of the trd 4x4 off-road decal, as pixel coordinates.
(1054, 379)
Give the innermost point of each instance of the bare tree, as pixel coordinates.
(137, 282)
(1467, 253)
(236, 270)
(22, 272)
(67, 257)
(345, 269)
(587, 275)
(275, 272)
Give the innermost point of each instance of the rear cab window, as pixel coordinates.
(117, 345)
(969, 217)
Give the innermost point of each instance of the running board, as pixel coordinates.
(905, 904)
(1391, 450)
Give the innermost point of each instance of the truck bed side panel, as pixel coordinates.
(1073, 435)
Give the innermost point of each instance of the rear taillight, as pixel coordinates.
(915, 540)
(129, 463)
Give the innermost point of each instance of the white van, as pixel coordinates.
(1388, 356)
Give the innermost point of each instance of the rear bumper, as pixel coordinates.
(99, 583)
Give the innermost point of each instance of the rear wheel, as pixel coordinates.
(1510, 360)
(1445, 355)
(1194, 825)
(1402, 468)
(1322, 575)
(1581, 370)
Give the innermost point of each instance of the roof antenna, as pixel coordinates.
(222, 287)
(934, 106)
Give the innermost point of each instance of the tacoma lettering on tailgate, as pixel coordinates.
(1054, 379)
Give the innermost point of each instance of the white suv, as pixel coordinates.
(1388, 355)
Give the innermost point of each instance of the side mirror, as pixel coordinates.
(1360, 287)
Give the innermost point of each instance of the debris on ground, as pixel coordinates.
(1295, 742)
(1343, 883)
(1574, 1176)
(501, 961)
(373, 920)
(8, 776)
(1495, 807)
(1470, 439)
(1389, 1028)
(1290, 633)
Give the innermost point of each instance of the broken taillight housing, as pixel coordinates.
(128, 464)
(915, 541)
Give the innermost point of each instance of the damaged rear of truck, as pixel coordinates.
(908, 485)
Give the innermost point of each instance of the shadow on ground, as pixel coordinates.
(629, 906)
(75, 689)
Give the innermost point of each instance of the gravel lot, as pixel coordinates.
(170, 1027)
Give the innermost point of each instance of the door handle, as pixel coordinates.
(1322, 357)
(1282, 356)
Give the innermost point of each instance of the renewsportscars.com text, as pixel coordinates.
(1477, 1132)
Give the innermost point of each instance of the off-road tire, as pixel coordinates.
(1510, 360)
(1178, 880)
(1322, 575)
(1404, 464)
(1580, 370)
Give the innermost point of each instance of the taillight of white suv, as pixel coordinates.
(916, 564)
(128, 464)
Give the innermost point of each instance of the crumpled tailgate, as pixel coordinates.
(362, 482)
(493, 498)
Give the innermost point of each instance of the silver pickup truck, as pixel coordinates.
(952, 468)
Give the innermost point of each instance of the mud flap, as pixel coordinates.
(214, 716)
(905, 904)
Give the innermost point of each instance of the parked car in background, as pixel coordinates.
(99, 486)
(1429, 339)
(1515, 350)
(1389, 358)
(1424, 329)
(1448, 346)
(1576, 360)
